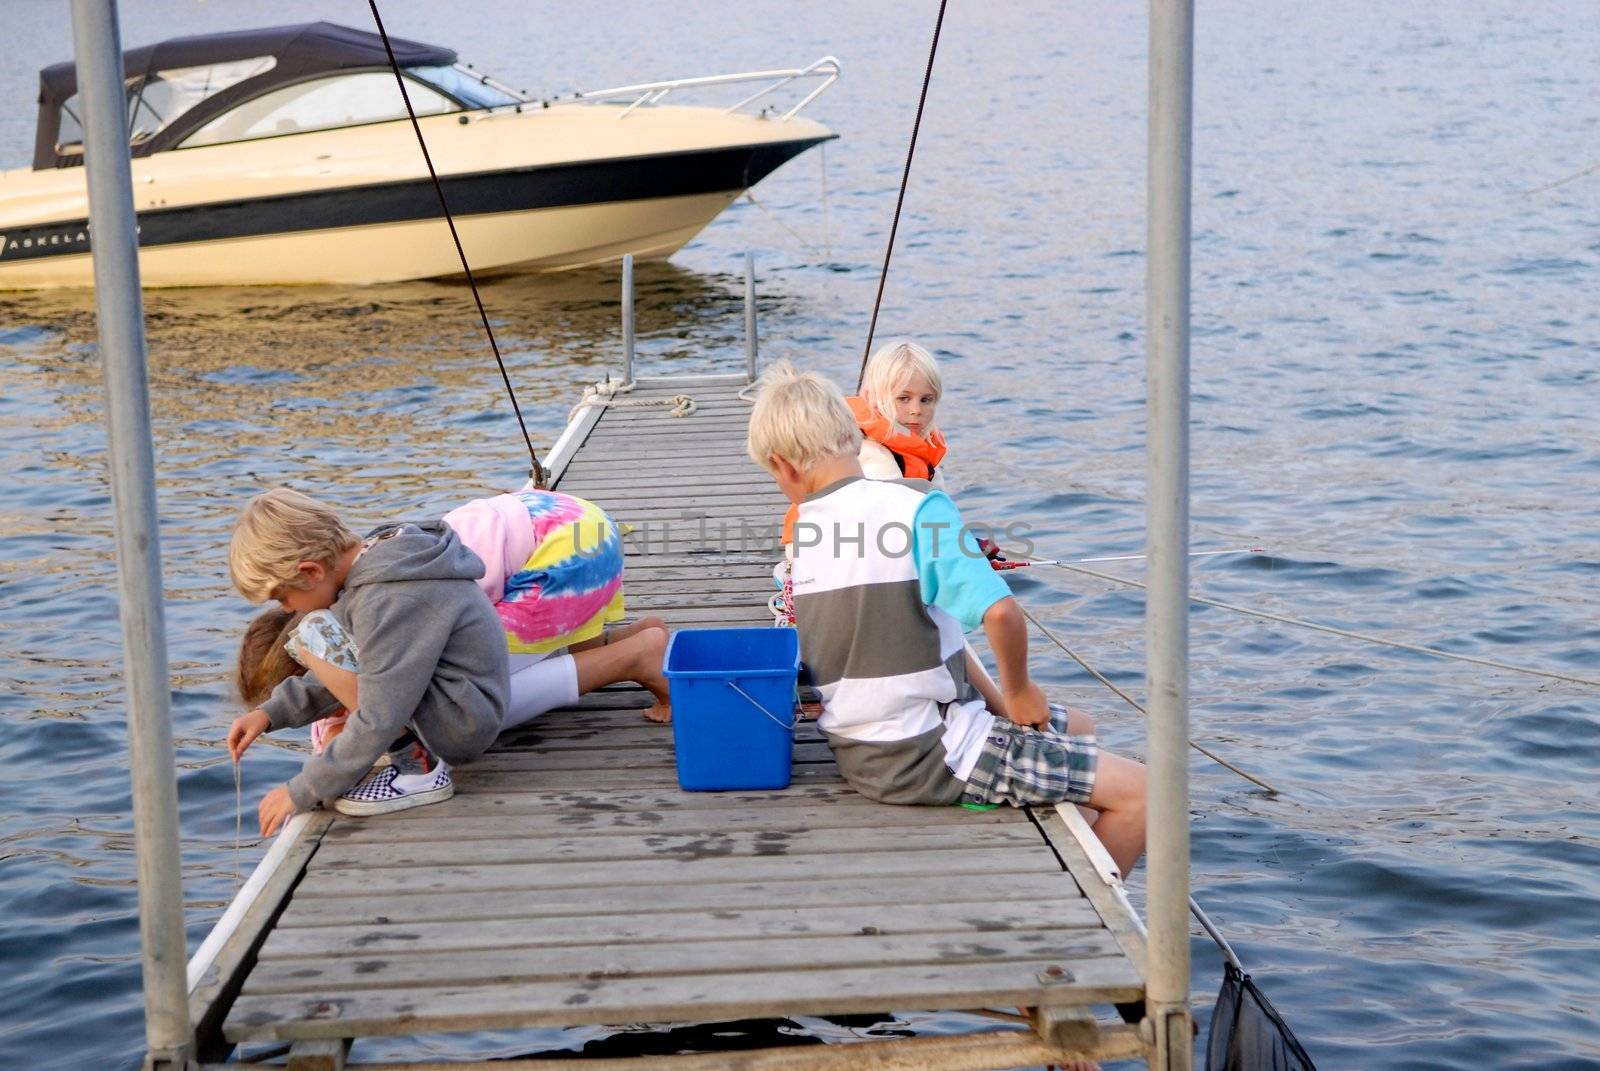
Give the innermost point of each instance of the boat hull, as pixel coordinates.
(309, 227)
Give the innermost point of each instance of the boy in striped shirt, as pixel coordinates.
(886, 583)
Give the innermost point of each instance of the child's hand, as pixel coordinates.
(277, 807)
(1027, 706)
(244, 730)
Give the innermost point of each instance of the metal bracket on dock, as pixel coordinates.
(628, 320)
(750, 316)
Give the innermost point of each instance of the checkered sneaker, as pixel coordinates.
(387, 789)
(1021, 765)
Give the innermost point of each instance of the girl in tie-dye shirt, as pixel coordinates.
(553, 569)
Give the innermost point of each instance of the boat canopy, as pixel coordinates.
(178, 86)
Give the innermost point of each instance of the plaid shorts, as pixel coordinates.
(1022, 765)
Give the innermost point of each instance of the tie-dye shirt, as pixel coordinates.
(553, 566)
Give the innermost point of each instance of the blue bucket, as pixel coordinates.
(732, 693)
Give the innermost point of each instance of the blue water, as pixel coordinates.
(1395, 382)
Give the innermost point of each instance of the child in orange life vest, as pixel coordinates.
(900, 392)
(895, 411)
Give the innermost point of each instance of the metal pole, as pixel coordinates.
(1167, 522)
(627, 318)
(131, 457)
(750, 316)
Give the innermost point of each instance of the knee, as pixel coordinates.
(654, 639)
(1136, 791)
(1123, 782)
(1079, 723)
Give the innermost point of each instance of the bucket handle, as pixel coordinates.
(779, 722)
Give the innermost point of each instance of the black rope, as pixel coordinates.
(537, 472)
(911, 150)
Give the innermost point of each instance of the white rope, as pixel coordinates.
(1346, 633)
(604, 396)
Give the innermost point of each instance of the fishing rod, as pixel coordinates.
(1000, 565)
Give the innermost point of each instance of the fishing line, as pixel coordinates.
(238, 825)
(1000, 564)
(538, 473)
(1126, 698)
(1331, 630)
(1591, 169)
(905, 177)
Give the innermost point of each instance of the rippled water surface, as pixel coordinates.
(1395, 387)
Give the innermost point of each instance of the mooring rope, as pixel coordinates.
(537, 472)
(1126, 698)
(905, 177)
(603, 396)
(805, 246)
(1367, 637)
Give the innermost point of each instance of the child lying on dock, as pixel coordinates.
(886, 583)
(404, 615)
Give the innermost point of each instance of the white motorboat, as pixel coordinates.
(285, 155)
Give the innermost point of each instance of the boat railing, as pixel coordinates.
(647, 94)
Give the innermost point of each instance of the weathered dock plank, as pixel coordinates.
(885, 894)
(600, 998)
(571, 883)
(475, 879)
(689, 846)
(365, 970)
(974, 917)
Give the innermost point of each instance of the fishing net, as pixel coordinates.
(1248, 1034)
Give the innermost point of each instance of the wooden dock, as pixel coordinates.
(571, 883)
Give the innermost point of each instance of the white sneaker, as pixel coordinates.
(387, 789)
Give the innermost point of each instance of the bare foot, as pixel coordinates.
(649, 675)
(636, 657)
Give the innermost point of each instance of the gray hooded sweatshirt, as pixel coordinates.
(432, 656)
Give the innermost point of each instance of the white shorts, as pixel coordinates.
(540, 682)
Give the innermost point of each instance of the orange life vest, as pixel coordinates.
(918, 458)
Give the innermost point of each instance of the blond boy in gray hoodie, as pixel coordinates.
(430, 685)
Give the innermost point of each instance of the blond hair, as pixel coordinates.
(890, 369)
(277, 531)
(800, 417)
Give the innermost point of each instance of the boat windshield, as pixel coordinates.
(468, 86)
(321, 104)
(154, 101)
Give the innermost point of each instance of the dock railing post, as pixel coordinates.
(1167, 532)
(627, 318)
(131, 457)
(750, 316)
